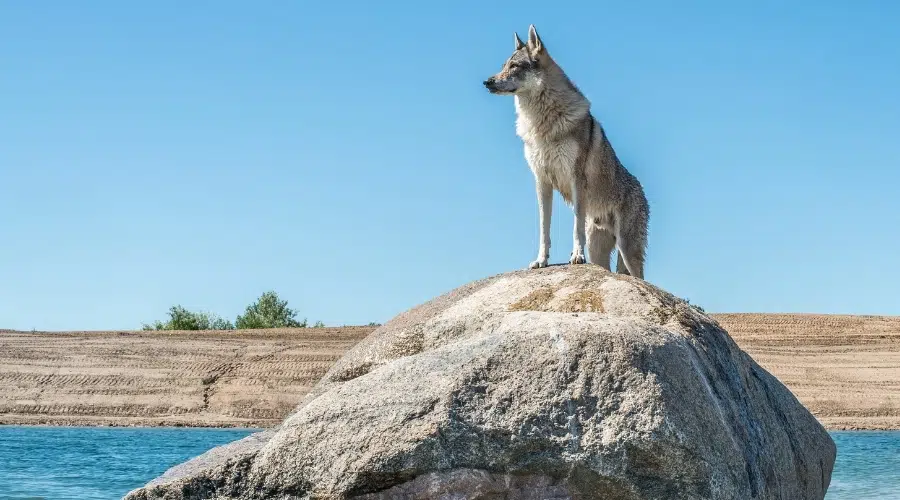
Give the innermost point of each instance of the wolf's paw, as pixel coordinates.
(539, 263)
(577, 258)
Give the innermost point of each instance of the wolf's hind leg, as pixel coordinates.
(600, 243)
(621, 268)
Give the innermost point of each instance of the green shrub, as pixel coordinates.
(269, 312)
(182, 319)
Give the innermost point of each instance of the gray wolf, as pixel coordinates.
(568, 150)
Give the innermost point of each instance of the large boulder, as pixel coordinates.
(564, 382)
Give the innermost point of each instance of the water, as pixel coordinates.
(867, 467)
(83, 463)
(105, 463)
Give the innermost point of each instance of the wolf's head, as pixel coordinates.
(523, 70)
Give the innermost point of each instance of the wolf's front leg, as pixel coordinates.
(545, 209)
(578, 232)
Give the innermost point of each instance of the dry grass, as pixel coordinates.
(845, 369)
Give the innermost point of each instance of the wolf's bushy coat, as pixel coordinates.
(568, 150)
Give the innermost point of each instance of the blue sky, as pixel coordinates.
(346, 154)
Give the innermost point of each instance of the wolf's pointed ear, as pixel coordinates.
(534, 41)
(519, 43)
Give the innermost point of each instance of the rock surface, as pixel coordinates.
(564, 382)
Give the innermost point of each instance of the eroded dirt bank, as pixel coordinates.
(845, 369)
(237, 378)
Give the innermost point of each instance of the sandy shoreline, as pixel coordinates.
(845, 369)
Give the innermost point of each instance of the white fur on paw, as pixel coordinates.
(538, 264)
(577, 259)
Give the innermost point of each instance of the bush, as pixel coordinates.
(269, 312)
(182, 319)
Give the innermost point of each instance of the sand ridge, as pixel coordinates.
(245, 378)
(845, 369)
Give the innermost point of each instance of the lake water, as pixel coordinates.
(105, 463)
(85, 463)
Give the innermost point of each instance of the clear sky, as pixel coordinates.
(347, 155)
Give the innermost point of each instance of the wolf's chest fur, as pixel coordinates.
(552, 158)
